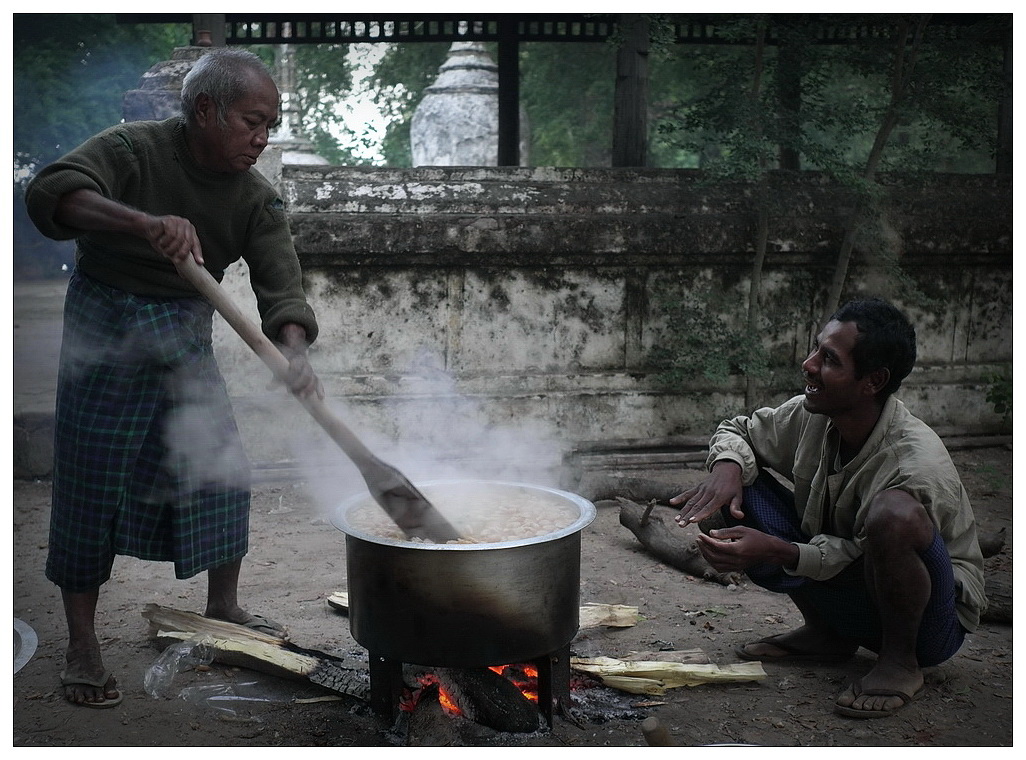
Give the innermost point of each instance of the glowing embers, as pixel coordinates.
(457, 689)
(431, 696)
(524, 677)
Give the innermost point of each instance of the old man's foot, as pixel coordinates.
(804, 644)
(86, 682)
(257, 623)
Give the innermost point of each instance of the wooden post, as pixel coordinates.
(209, 22)
(630, 100)
(509, 94)
(789, 97)
(1004, 136)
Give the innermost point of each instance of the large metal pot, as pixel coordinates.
(465, 605)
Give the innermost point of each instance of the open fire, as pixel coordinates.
(524, 677)
(509, 698)
(463, 609)
(519, 697)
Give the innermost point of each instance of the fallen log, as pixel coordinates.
(991, 544)
(642, 490)
(999, 599)
(238, 646)
(654, 527)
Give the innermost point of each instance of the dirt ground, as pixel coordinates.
(297, 559)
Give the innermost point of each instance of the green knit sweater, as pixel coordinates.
(147, 165)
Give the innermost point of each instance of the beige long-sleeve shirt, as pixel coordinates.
(902, 453)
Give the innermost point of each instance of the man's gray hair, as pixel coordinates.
(222, 74)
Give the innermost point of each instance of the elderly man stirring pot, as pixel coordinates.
(147, 459)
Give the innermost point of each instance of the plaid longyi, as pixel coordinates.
(844, 602)
(147, 457)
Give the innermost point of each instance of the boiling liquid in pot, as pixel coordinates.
(483, 513)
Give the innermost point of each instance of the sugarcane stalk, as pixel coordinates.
(239, 646)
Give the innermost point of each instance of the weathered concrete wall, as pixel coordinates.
(463, 307)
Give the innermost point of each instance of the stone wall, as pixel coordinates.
(465, 311)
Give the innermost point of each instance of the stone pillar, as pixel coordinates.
(457, 121)
(293, 146)
(159, 95)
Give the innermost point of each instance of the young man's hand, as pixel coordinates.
(739, 548)
(722, 487)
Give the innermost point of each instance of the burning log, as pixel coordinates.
(668, 542)
(449, 696)
(239, 646)
(429, 725)
(491, 699)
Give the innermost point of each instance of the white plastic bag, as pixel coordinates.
(177, 658)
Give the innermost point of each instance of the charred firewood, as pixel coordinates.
(665, 540)
(491, 699)
(429, 725)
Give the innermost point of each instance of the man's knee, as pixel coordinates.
(895, 514)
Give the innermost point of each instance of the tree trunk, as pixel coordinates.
(762, 216)
(901, 78)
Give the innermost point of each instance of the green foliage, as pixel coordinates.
(400, 79)
(723, 120)
(947, 123)
(323, 79)
(999, 395)
(700, 343)
(71, 72)
(567, 91)
(853, 106)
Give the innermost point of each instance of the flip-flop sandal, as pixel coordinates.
(858, 691)
(98, 683)
(790, 653)
(268, 627)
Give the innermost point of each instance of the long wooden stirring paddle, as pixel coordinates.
(407, 506)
